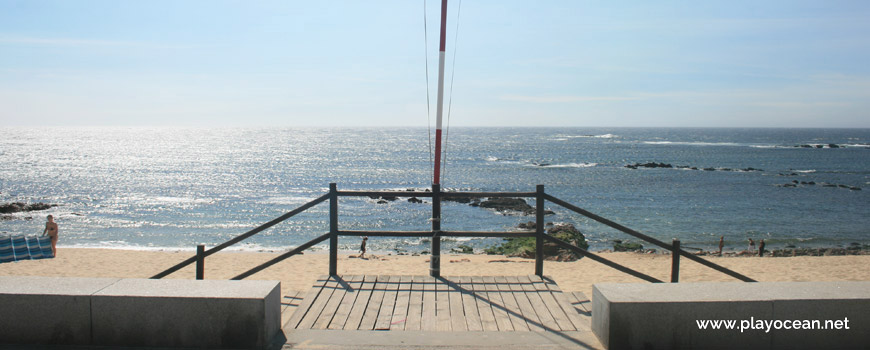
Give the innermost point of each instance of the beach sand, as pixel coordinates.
(299, 272)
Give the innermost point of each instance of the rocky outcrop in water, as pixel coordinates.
(508, 205)
(525, 247)
(796, 183)
(10, 208)
(687, 167)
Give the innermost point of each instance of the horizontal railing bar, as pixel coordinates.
(604, 261)
(281, 257)
(243, 236)
(486, 194)
(386, 233)
(383, 194)
(429, 194)
(430, 233)
(646, 238)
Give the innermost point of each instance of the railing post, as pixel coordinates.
(333, 229)
(435, 258)
(200, 261)
(539, 231)
(675, 261)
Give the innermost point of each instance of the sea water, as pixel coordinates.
(172, 188)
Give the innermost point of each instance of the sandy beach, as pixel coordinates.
(299, 272)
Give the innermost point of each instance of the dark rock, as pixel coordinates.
(507, 204)
(649, 165)
(620, 246)
(414, 200)
(820, 146)
(832, 145)
(709, 169)
(805, 146)
(531, 225)
(475, 203)
(855, 188)
(382, 201)
(19, 207)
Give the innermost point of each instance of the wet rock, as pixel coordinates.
(505, 205)
(414, 200)
(16, 207)
(649, 165)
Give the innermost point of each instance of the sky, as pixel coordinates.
(733, 63)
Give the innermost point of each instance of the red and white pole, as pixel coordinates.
(440, 108)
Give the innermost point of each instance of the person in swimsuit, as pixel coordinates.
(51, 230)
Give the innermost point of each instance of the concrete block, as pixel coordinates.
(47, 310)
(663, 316)
(187, 313)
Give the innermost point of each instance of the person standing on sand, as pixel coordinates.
(721, 244)
(761, 248)
(751, 245)
(51, 230)
(362, 247)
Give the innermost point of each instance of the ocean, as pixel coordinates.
(172, 188)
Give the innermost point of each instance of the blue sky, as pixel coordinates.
(362, 63)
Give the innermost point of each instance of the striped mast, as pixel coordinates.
(440, 107)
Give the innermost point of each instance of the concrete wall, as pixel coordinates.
(664, 315)
(139, 312)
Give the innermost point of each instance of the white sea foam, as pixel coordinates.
(603, 136)
(693, 143)
(805, 171)
(569, 165)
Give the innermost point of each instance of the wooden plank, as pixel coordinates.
(514, 313)
(429, 321)
(415, 305)
(332, 305)
(361, 303)
(580, 302)
(371, 314)
(575, 318)
(525, 304)
(385, 314)
(469, 304)
(291, 302)
(442, 305)
(547, 319)
(457, 314)
(317, 307)
(552, 305)
(484, 305)
(307, 301)
(400, 311)
(499, 309)
(340, 318)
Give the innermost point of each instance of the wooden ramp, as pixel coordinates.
(424, 303)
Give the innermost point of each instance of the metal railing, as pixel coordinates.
(436, 233)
